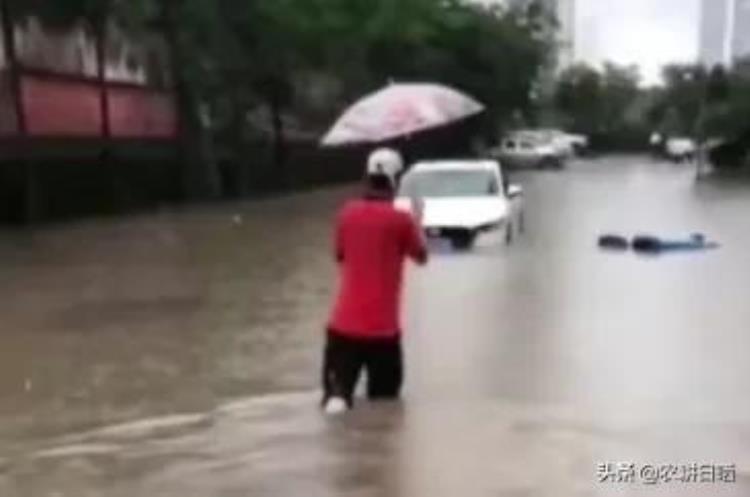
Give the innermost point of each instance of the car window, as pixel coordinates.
(525, 145)
(449, 183)
(510, 144)
(494, 186)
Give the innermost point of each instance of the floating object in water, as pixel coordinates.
(644, 243)
(614, 242)
(655, 245)
(649, 244)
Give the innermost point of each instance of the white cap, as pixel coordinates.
(386, 162)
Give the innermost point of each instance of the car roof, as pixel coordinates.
(527, 138)
(457, 165)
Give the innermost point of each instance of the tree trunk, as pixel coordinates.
(11, 62)
(100, 44)
(279, 141)
(105, 154)
(200, 172)
(240, 161)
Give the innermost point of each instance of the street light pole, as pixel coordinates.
(700, 136)
(699, 124)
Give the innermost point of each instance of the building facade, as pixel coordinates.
(53, 89)
(564, 14)
(725, 31)
(741, 38)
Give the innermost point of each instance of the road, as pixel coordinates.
(176, 354)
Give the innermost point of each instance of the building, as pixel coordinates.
(714, 46)
(81, 118)
(564, 14)
(725, 31)
(741, 41)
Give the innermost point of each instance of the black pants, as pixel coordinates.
(346, 357)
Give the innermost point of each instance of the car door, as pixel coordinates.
(526, 153)
(508, 152)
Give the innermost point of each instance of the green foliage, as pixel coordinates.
(232, 56)
(620, 93)
(728, 109)
(718, 85)
(598, 101)
(259, 47)
(678, 108)
(702, 103)
(579, 96)
(66, 13)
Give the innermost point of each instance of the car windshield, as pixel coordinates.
(534, 138)
(449, 184)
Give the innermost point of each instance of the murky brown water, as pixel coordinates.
(177, 354)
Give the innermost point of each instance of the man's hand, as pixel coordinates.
(420, 256)
(417, 207)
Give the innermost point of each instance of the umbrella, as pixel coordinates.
(400, 110)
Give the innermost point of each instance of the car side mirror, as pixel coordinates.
(515, 191)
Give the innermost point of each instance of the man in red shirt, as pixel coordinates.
(373, 241)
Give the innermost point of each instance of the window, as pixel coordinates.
(447, 183)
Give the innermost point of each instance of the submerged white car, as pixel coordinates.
(463, 200)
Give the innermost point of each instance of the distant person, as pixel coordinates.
(373, 241)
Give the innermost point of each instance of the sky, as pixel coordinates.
(649, 33)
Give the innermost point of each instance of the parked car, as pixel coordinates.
(680, 149)
(463, 200)
(527, 150)
(570, 143)
(578, 143)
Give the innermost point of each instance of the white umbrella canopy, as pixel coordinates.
(400, 110)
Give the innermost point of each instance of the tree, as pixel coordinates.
(580, 97)
(728, 104)
(230, 56)
(697, 102)
(678, 108)
(606, 104)
(180, 21)
(620, 91)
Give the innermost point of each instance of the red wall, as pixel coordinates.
(135, 113)
(61, 108)
(55, 107)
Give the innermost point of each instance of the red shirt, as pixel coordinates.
(373, 240)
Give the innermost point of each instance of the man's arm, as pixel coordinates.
(339, 240)
(416, 245)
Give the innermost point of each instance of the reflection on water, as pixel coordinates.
(110, 321)
(150, 356)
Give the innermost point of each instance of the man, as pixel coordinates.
(373, 241)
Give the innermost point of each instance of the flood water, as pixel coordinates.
(176, 354)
